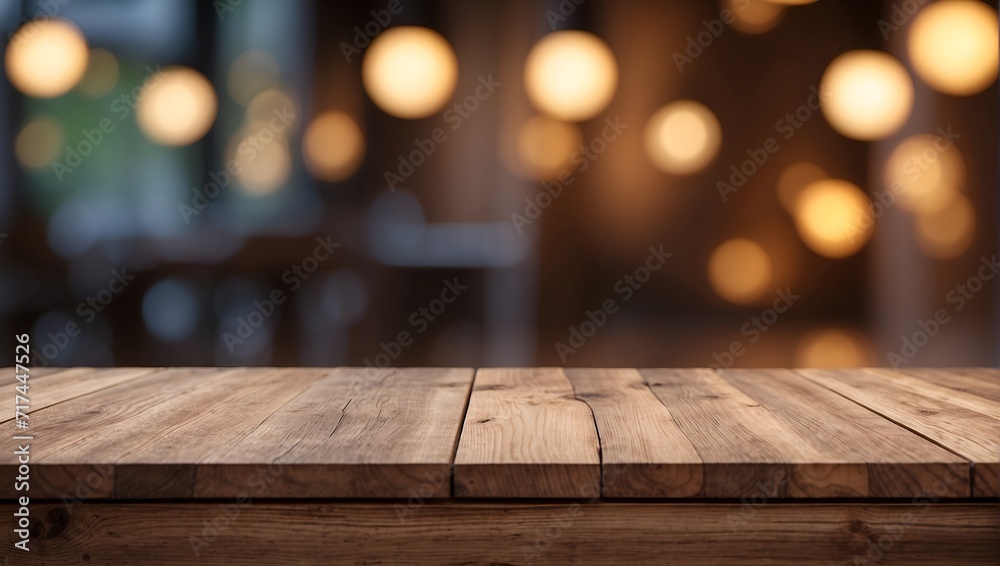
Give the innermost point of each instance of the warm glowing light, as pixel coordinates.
(545, 146)
(39, 143)
(410, 71)
(953, 46)
(791, 2)
(178, 107)
(252, 73)
(101, 75)
(333, 146)
(683, 136)
(926, 173)
(754, 16)
(832, 218)
(571, 75)
(46, 58)
(949, 232)
(832, 347)
(740, 271)
(793, 179)
(866, 95)
(273, 103)
(263, 166)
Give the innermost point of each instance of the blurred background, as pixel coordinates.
(579, 182)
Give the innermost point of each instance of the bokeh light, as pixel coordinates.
(263, 159)
(947, 233)
(683, 137)
(39, 143)
(832, 218)
(793, 179)
(754, 16)
(46, 58)
(866, 94)
(273, 102)
(832, 348)
(333, 146)
(252, 73)
(571, 75)
(178, 107)
(170, 309)
(929, 171)
(740, 271)
(410, 71)
(545, 146)
(953, 46)
(101, 75)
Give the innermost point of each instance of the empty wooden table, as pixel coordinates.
(508, 466)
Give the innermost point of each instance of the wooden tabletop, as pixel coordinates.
(420, 433)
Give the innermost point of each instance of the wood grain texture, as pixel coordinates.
(964, 423)
(861, 453)
(8, 375)
(526, 435)
(154, 433)
(982, 382)
(269, 432)
(264, 533)
(353, 433)
(744, 447)
(643, 451)
(91, 432)
(167, 465)
(60, 385)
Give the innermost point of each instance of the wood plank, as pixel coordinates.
(8, 376)
(983, 382)
(167, 465)
(57, 387)
(526, 435)
(743, 446)
(110, 423)
(643, 451)
(353, 433)
(265, 533)
(964, 423)
(155, 452)
(862, 453)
